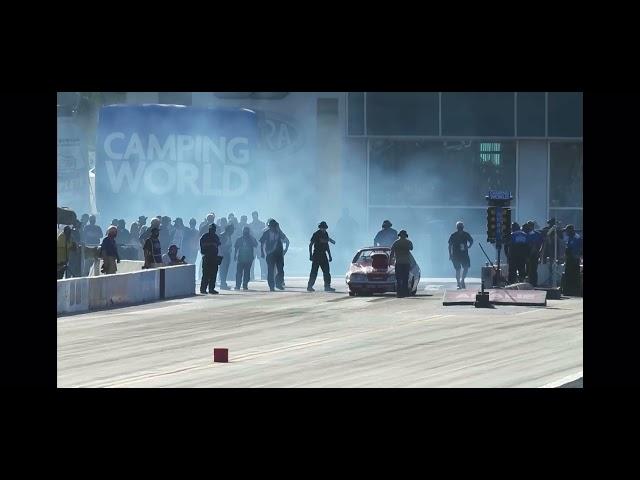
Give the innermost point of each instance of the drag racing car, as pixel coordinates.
(373, 270)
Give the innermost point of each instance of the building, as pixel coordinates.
(421, 159)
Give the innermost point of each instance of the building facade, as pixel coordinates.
(421, 159)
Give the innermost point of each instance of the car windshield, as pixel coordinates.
(364, 256)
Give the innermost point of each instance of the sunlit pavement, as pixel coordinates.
(294, 338)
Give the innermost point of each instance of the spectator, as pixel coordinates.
(92, 232)
(244, 253)
(109, 251)
(152, 249)
(64, 245)
(171, 257)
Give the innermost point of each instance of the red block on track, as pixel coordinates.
(221, 355)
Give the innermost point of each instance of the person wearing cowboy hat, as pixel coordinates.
(401, 251)
(109, 251)
(320, 244)
(386, 236)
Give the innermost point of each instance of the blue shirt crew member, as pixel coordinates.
(573, 253)
(517, 251)
(386, 236)
(534, 241)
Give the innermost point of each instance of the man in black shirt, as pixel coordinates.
(459, 244)
(209, 243)
(320, 244)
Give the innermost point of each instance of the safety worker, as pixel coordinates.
(401, 249)
(459, 244)
(386, 236)
(318, 251)
(209, 243)
(517, 251)
(573, 253)
(534, 240)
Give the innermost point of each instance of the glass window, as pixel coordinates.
(429, 230)
(565, 181)
(478, 114)
(355, 121)
(565, 114)
(402, 113)
(175, 98)
(567, 217)
(436, 173)
(531, 111)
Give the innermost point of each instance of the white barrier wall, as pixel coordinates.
(179, 281)
(124, 288)
(106, 291)
(125, 266)
(73, 295)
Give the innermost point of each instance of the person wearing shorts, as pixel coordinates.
(459, 244)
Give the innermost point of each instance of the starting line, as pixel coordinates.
(531, 298)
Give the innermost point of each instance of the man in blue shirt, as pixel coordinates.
(517, 251)
(271, 247)
(386, 236)
(573, 253)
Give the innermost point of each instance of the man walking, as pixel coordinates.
(320, 244)
(459, 244)
(209, 243)
(244, 253)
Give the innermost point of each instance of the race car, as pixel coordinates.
(373, 269)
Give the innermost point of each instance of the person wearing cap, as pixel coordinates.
(109, 251)
(244, 253)
(573, 253)
(401, 249)
(146, 234)
(459, 244)
(225, 249)
(65, 243)
(257, 228)
(517, 251)
(271, 246)
(92, 232)
(209, 243)
(386, 236)
(320, 244)
(171, 257)
(153, 249)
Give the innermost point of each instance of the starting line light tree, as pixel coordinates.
(498, 221)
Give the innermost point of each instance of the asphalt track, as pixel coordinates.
(300, 339)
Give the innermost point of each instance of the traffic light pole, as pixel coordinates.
(497, 212)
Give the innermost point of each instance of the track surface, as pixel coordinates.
(300, 339)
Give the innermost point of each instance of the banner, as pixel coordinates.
(73, 167)
(173, 159)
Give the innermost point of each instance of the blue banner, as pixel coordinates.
(174, 159)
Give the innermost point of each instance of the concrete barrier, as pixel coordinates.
(179, 281)
(107, 291)
(119, 289)
(125, 266)
(73, 295)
